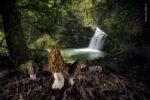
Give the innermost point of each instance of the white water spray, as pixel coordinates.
(97, 40)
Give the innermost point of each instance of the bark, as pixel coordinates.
(14, 36)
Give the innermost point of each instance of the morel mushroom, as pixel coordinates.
(56, 66)
(31, 70)
(75, 69)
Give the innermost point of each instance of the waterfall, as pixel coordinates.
(98, 39)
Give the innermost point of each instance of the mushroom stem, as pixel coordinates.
(71, 81)
(58, 81)
(33, 76)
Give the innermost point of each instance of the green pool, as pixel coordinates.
(81, 54)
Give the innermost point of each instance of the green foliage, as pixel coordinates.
(3, 45)
(1, 35)
(44, 42)
(121, 21)
(62, 20)
(67, 23)
(24, 66)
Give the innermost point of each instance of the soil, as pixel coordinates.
(89, 85)
(111, 82)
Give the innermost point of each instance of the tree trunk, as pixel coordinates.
(14, 36)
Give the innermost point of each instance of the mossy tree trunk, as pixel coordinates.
(15, 38)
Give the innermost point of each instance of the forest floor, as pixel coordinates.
(111, 83)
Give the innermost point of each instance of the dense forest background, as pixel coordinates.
(68, 23)
(29, 27)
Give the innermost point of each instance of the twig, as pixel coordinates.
(65, 94)
(124, 88)
(17, 84)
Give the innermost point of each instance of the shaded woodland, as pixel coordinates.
(29, 27)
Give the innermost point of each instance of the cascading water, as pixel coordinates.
(97, 40)
(90, 53)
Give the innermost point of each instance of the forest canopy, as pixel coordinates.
(46, 23)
